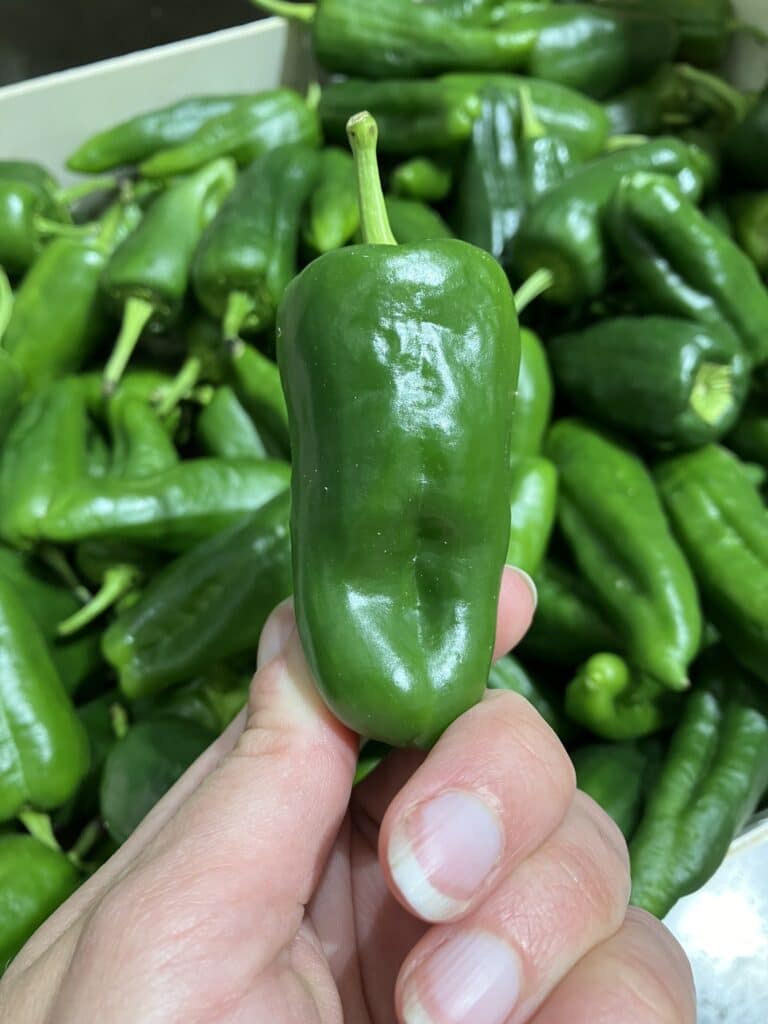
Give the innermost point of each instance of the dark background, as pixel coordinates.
(38, 36)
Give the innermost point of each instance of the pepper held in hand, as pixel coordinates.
(398, 364)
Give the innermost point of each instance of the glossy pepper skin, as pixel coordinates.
(255, 379)
(261, 122)
(248, 254)
(533, 396)
(34, 880)
(46, 762)
(210, 603)
(563, 231)
(170, 510)
(618, 701)
(720, 520)
(614, 775)
(680, 263)
(399, 38)
(619, 538)
(744, 146)
(146, 277)
(375, 331)
(532, 511)
(510, 162)
(21, 204)
(713, 775)
(669, 382)
(132, 141)
(212, 699)
(332, 215)
(412, 221)
(569, 624)
(417, 116)
(225, 429)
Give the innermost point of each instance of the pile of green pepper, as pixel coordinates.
(270, 346)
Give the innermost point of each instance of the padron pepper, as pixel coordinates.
(620, 540)
(255, 380)
(422, 178)
(721, 522)
(251, 128)
(680, 263)
(712, 778)
(398, 364)
(615, 776)
(225, 429)
(563, 231)
(533, 499)
(332, 215)
(508, 674)
(146, 277)
(248, 254)
(533, 397)
(412, 221)
(400, 37)
(669, 382)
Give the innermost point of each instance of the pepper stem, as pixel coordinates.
(48, 226)
(531, 288)
(363, 133)
(294, 12)
(81, 189)
(181, 387)
(136, 315)
(240, 306)
(39, 826)
(532, 128)
(85, 843)
(118, 581)
(712, 392)
(57, 562)
(6, 302)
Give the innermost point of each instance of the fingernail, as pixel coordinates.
(442, 852)
(276, 633)
(528, 580)
(473, 978)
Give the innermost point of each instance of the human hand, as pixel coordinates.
(472, 884)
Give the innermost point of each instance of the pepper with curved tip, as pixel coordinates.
(146, 277)
(617, 701)
(563, 231)
(619, 538)
(248, 254)
(391, 383)
(264, 121)
(712, 778)
(669, 382)
(721, 522)
(680, 263)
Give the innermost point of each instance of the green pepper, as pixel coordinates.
(332, 216)
(562, 232)
(618, 701)
(132, 141)
(22, 205)
(510, 161)
(569, 624)
(46, 749)
(672, 383)
(533, 397)
(713, 775)
(744, 145)
(396, 361)
(259, 123)
(619, 538)
(58, 315)
(721, 522)
(680, 262)
(676, 97)
(614, 775)
(748, 213)
(172, 510)
(508, 674)
(225, 430)
(416, 116)
(421, 178)
(256, 382)
(146, 277)
(398, 37)
(11, 385)
(142, 767)
(247, 255)
(210, 603)
(749, 438)
(213, 699)
(532, 511)
(34, 880)
(413, 222)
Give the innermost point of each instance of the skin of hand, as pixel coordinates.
(471, 884)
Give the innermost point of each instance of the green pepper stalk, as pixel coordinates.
(414, 590)
(148, 273)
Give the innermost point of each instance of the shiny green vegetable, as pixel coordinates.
(533, 498)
